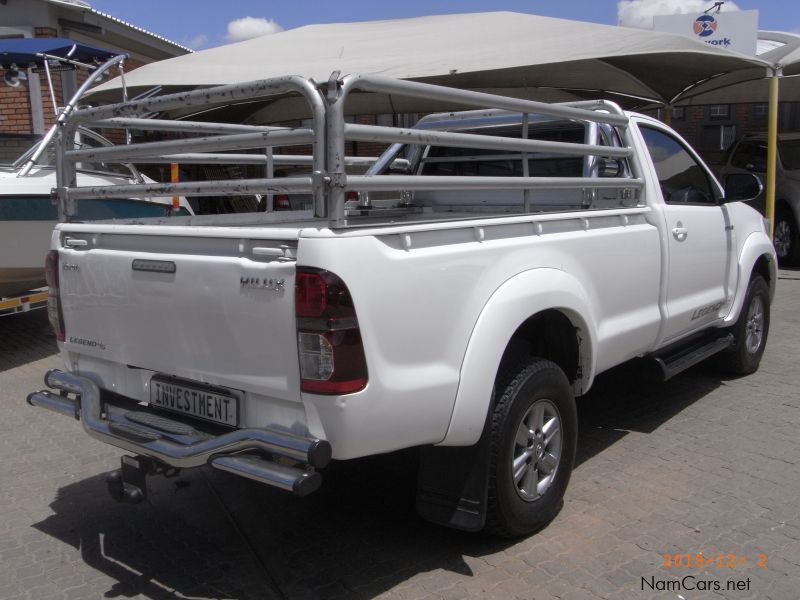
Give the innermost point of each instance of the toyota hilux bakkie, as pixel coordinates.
(455, 297)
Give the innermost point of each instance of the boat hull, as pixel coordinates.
(23, 249)
(28, 216)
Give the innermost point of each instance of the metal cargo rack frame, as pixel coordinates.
(328, 181)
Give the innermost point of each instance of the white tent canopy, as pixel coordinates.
(477, 50)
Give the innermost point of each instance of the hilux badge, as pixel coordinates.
(263, 283)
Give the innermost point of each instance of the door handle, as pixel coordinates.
(680, 233)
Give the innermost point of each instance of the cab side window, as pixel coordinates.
(751, 156)
(683, 180)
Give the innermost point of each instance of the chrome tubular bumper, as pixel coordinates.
(179, 445)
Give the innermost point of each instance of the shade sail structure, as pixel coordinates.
(476, 50)
(25, 52)
(747, 85)
(790, 62)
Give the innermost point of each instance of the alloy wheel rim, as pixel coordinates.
(754, 327)
(537, 450)
(782, 238)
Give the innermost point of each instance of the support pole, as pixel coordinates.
(772, 148)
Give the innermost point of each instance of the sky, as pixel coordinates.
(201, 24)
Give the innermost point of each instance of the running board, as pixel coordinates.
(676, 360)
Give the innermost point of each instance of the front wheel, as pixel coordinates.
(750, 331)
(786, 238)
(534, 433)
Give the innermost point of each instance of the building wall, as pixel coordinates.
(27, 111)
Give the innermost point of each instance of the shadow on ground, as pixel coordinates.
(208, 534)
(631, 398)
(25, 338)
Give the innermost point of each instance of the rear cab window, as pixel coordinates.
(474, 162)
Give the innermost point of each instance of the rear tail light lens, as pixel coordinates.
(54, 312)
(330, 349)
(351, 196)
(281, 202)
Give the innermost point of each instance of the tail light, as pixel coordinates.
(281, 202)
(351, 196)
(329, 343)
(54, 311)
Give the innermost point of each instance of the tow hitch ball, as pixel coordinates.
(129, 482)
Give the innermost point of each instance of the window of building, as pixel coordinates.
(717, 137)
(719, 111)
(678, 113)
(761, 111)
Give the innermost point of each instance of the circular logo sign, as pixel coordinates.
(705, 25)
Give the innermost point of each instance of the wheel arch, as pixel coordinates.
(546, 310)
(757, 256)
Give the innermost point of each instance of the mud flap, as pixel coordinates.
(453, 485)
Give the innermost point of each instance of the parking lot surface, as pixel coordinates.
(703, 470)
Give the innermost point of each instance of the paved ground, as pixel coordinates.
(699, 465)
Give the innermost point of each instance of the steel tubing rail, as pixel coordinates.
(362, 183)
(219, 142)
(89, 409)
(258, 159)
(227, 187)
(374, 133)
(179, 126)
(387, 85)
(201, 98)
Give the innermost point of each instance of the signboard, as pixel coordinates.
(735, 30)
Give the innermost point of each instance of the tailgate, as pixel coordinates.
(212, 308)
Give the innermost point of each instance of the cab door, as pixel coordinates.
(699, 236)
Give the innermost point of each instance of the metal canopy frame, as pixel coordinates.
(328, 180)
(65, 113)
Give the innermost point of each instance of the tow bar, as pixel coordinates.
(129, 482)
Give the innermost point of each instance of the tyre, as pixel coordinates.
(785, 238)
(749, 332)
(534, 432)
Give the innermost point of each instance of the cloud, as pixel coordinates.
(251, 27)
(197, 42)
(640, 13)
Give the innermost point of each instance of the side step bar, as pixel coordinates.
(179, 445)
(678, 359)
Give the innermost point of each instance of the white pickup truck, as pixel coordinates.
(456, 297)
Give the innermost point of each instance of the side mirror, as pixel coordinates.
(399, 169)
(610, 167)
(742, 187)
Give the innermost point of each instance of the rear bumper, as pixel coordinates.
(270, 456)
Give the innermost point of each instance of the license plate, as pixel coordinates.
(203, 402)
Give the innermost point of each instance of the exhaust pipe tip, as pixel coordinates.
(307, 483)
(319, 453)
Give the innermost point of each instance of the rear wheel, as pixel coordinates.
(785, 238)
(750, 331)
(534, 433)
